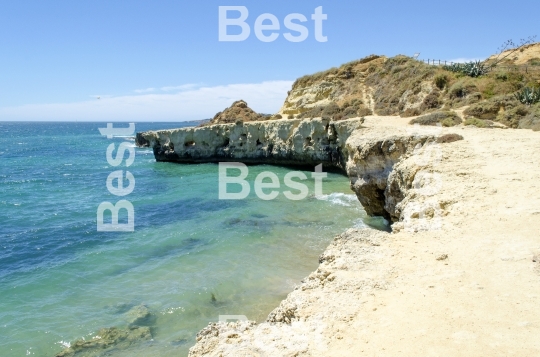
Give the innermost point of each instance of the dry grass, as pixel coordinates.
(349, 109)
(396, 76)
(407, 87)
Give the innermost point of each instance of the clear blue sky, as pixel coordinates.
(55, 54)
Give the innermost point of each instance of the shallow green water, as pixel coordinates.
(61, 280)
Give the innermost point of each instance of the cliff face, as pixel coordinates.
(461, 279)
(368, 156)
(383, 166)
(283, 142)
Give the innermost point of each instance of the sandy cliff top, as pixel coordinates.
(527, 55)
(461, 279)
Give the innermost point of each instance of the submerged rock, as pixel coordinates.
(139, 316)
(106, 339)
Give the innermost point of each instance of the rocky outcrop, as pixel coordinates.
(388, 171)
(280, 142)
(295, 328)
(367, 155)
(382, 166)
(465, 286)
(105, 340)
(238, 111)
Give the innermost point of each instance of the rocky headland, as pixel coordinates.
(459, 274)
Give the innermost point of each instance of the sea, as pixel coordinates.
(190, 258)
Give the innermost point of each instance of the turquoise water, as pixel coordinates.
(61, 280)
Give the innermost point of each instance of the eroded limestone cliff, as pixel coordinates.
(367, 155)
(282, 142)
(460, 277)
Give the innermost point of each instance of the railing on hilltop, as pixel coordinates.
(517, 67)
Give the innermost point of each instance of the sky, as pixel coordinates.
(164, 61)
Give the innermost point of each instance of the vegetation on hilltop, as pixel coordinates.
(404, 86)
(239, 111)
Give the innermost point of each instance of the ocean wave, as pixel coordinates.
(341, 199)
(359, 223)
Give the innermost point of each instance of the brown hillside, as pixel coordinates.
(238, 111)
(529, 54)
(404, 86)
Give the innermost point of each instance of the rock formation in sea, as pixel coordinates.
(107, 340)
(367, 156)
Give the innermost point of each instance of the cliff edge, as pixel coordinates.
(458, 276)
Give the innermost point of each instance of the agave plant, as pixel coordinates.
(471, 69)
(474, 69)
(528, 95)
(454, 67)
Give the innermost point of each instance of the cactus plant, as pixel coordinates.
(528, 95)
(471, 69)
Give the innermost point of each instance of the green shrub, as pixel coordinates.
(532, 119)
(528, 95)
(431, 101)
(363, 111)
(454, 67)
(447, 118)
(410, 112)
(474, 97)
(331, 109)
(512, 117)
(479, 123)
(350, 112)
(483, 110)
(291, 116)
(534, 61)
(441, 81)
(278, 116)
(461, 89)
(489, 109)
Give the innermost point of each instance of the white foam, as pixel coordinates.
(340, 199)
(64, 343)
(359, 223)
